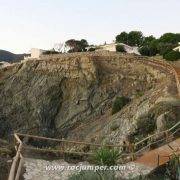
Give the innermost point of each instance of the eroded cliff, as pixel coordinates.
(71, 96)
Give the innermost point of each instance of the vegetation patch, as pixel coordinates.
(139, 93)
(119, 103)
(148, 50)
(106, 156)
(5, 128)
(102, 157)
(120, 48)
(146, 124)
(172, 55)
(151, 46)
(173, 168)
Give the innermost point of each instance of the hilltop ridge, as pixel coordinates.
(10, 57)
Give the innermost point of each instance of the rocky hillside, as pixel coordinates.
(71, 96)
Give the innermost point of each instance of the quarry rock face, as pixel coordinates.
(71, 95)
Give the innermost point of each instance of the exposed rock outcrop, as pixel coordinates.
(68, 95)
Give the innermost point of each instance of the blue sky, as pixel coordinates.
(41, 23)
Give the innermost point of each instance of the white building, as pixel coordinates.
(61, 47)
(130, 49)
(108, 47)
(112, 47)
(35, 53)
(177, 48)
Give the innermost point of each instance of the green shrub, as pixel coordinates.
(120, 48)
(147, 124)
(5, 127)
(172, 56)
(106, 157)
(144, 51)
(150, 50)
(173, 168)
(119, 103)
(91, 175)
(140, 93)
(164, 48)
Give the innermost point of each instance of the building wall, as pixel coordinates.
(109, 47)
(35, 53)
(112, 47)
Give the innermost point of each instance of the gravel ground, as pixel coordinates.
(38, 169)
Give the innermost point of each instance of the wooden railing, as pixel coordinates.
(147, 142)
(134, 152)
(15, 170)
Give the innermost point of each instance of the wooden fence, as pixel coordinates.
(135, 149)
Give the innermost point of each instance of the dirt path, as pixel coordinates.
(151, 158)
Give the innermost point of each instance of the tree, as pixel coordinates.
(150, 50)
(172, 56)
(164, 48)
(148, 40)
(153, 49)
(135, 38)
(84, 43)
(72, 44)
(170, 38)
(149, 46)
(122, 38)
(144, 50)
(76, 45)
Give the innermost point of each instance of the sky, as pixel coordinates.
(26, 24)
